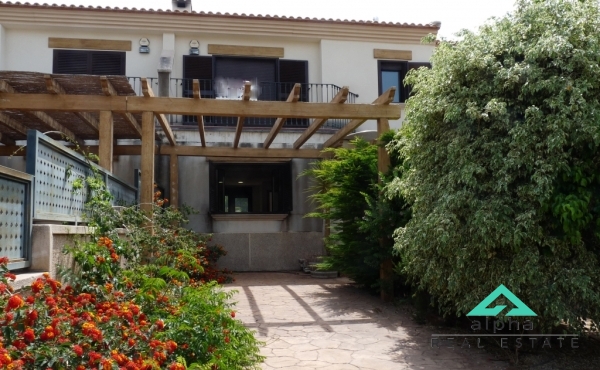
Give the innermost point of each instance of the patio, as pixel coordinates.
(310, 323)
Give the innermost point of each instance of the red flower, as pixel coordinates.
(78, 350)
(232, 313)
(171, 346)
(10, 275)
(15, 302)
(160, 325)
(29, 335)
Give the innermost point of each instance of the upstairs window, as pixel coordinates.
(392, 73)
(89, 62)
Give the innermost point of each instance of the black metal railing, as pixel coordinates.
(267, 91)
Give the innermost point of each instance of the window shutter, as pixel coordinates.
(200, 67)
(106, 63)
(412, 66)
(70, 62)
(89, 62)
(290, 73)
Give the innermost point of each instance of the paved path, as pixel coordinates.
(310, 323)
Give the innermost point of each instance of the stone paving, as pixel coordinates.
(309, 323)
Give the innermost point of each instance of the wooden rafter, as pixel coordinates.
(13, 124)
(339, 98)
(384, 99)
(54, 87)
(109, 90)
(200, 118)
(241, 118)
(147, 91)
(5, 87)
(292, 98)
(207, 107)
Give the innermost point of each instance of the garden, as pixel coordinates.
(146, 297)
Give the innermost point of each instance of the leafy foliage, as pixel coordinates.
(130, 302)
(347, 194)
(501, 145)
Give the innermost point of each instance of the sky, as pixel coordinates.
(454, 14)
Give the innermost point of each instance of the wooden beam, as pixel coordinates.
(292, 98)
(339, 98)
(105, 147)
(199, 117)
(109, 90)
(240, 122)
(384, 99)
(5, 87)
(386, 268)
(147, 91)
(392, 54)
(207, 107)
(55, 88)
(13, 124)
(174, 180)
(147, 163)
(199, 151)
(6, 140)
(90, 44)
(248, 51)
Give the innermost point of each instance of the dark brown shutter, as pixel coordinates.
(294, 71)
(89, 62)
(411, 66)
(70, 62)
(106, 63)
(290, 73)
(200, 67)
(286, 187)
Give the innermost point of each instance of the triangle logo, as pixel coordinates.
(520, 309)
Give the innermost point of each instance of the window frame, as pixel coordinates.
(393, 66)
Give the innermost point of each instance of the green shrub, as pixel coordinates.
(501, 141)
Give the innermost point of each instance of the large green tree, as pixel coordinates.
(501, 141)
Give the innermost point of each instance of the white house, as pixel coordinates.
(254, 207)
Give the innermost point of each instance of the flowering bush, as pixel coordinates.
(143, 301)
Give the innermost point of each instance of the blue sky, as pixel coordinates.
(454, 14)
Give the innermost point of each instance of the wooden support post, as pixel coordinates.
(105, 144)
(386, 269)
(174, 180)
(147, 166)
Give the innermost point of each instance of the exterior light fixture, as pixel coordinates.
(194, 47)
(240, 182)
(144, 46)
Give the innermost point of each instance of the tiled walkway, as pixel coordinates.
(310, 323)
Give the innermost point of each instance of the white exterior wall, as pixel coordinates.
(352, 64)
(2, 47)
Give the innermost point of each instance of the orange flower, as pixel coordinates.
(37, 285)
(176, 366)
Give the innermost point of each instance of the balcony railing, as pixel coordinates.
(267, 91)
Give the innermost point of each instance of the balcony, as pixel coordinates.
(267, 91)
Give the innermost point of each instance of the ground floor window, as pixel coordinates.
(250, 187)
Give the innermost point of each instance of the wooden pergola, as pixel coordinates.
(106, 108)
